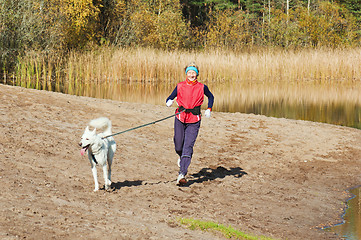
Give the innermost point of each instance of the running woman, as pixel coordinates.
(190, 95)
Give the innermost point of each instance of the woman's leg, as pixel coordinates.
(190, 136)
(178, 139)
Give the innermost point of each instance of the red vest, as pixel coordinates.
(189, 96)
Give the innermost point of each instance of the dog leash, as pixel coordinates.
(131, 129)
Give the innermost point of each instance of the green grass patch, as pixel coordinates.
(228, 232)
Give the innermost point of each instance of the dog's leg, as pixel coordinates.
(109, 175)
(109, 171)
(106, 180)
(95, 176)
(94, 171)
(111, 152)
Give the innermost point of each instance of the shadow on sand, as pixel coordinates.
(209, 174)
(205, 174)
(118, 185)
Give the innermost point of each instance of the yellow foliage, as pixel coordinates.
(75, 24)
(82, 17)
(144, 26)
(171, 30)
(328, 25)
(229, 29)
(158, 24)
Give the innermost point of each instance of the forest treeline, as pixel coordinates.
(58, 26)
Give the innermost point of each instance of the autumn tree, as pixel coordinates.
(158, 23)
(230, 30)
(332, 26)
(112, 21)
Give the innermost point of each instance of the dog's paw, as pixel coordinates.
(96, 189)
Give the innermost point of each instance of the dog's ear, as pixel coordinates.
(87, 129)
(94, 131)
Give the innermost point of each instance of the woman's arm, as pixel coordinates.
(172, 95)
(209, 95)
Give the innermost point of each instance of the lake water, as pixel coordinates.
(351, 228)
(335, 104)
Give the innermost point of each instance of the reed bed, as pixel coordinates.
(246, 82)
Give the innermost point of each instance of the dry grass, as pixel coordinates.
(238, 81)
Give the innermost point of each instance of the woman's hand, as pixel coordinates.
(207, 113)
(169, 102)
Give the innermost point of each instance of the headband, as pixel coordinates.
(192, 68)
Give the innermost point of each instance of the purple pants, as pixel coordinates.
(185, 135)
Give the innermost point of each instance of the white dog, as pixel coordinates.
(100, 150)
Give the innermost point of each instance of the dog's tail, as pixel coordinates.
(102, 124)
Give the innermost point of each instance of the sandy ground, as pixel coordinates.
(280, 178)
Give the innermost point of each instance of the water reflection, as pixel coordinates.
(334, 103)
(351, 228)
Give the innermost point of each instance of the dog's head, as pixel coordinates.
(87, 140)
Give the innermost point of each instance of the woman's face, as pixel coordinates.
(191, 75)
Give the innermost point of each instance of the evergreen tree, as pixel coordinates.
(354, 6)
(198, 12)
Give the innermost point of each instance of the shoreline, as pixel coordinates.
(345, 208)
